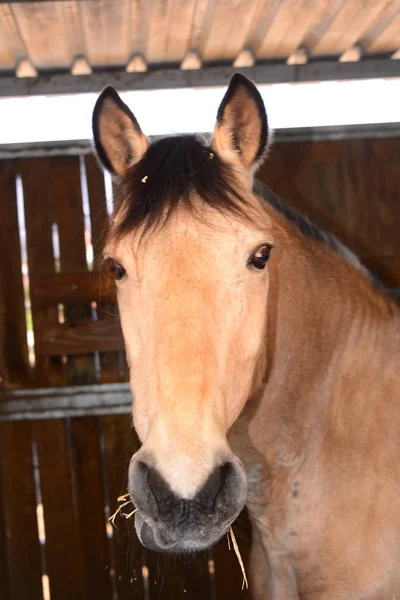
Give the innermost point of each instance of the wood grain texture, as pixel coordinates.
(112, 364)
(348, 25)
(37, 193)
(16, 370)
(66, 187)
(90, 495)
(63, 288)
(106, 30)
(11, 45)
(65, 555)
(179, 30)
(230, 29)
(45, 36)
(4, 583)
(285, 16)
(389, 39)
(374, 38)
(23, 561)
(348, 187)
(84, 337)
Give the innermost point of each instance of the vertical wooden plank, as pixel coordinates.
(19, 505)
(3, 370)
(4, 587)
(39, 216)
(43, 190)
(86, 462)
(110, 362)
(66, 187)
(120, 444)
(65, 557)
(16, 363)
(84, 443)
(97, 204)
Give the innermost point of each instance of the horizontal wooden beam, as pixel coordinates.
(89, 336)
(55, 403)
(208, 76)
(64, 288)
(296, 134)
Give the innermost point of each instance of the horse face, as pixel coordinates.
(192, 295)
(193, 314)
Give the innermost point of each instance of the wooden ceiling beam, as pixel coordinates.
(207, 76)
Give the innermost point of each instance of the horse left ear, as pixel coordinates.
(119, 141)
(241, 131)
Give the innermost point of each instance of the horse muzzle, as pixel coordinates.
(165, 522)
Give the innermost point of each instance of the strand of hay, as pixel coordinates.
(125, 502)
(238, 556)
(230, 535)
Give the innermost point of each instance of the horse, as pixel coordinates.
(264, 362)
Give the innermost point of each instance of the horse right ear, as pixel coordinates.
(119, 141)
(241, 131)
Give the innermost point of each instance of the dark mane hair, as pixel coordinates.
(172, 171)
(308, 228)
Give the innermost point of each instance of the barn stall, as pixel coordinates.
(65, 431)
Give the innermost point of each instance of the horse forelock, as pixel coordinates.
(175, 172)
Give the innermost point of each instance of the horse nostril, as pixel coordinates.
(214, 486)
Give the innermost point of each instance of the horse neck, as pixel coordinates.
(332, 339)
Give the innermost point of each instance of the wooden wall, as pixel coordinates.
(74, 468)
(350, 188)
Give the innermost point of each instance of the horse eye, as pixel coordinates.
(259, 257)
(116, 269)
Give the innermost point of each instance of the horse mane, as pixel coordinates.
(175, 169)
(308, 228)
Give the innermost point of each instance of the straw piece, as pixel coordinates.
(122, 498)
(129, 515)
(237, 552)
(117, 512)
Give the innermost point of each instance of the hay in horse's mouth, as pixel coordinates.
(123, 501)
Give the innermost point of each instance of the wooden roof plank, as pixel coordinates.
(348, 25)
(381, 23)
(138, 14)
(243, 22)
(263, 20)
(314, 35)
(365, 18)
(43, 30)
(310, 15)
(159, 22)
(11, 44)
(201, 23)
(222, 28)
(107, 32)
(389, 39)
(180, 28)
(288, 13)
